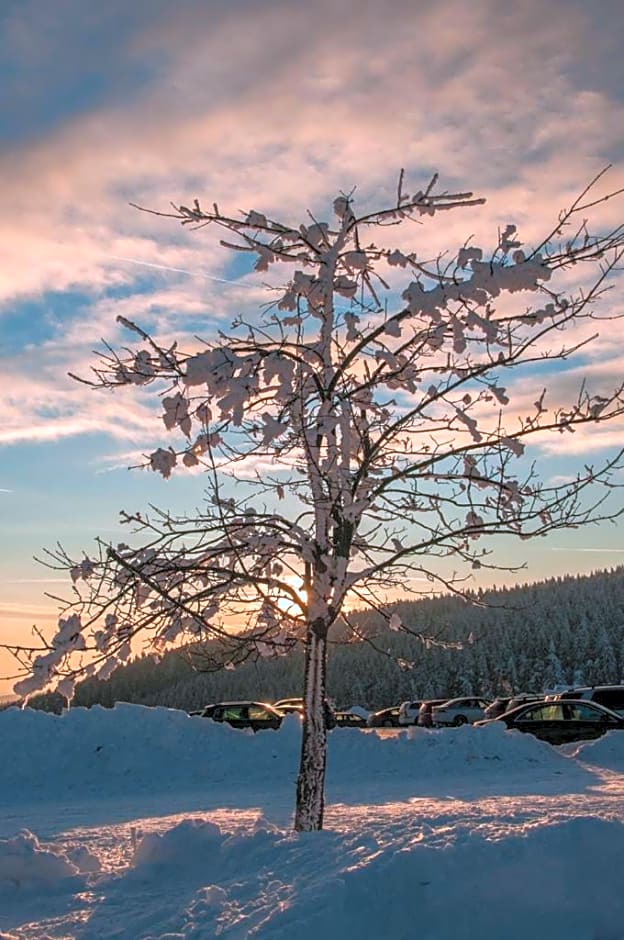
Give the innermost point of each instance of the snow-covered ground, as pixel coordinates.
(138, 823)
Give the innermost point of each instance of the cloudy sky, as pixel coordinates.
(268, 104)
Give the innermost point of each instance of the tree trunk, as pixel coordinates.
(311, 779)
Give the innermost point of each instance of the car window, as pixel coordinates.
(585, 713)
(217, 714)
(611, 698)
(545, 712)
(258, 713)
(233, 712)
(482, 703)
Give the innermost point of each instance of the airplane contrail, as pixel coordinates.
(165, 267)
(561, 548)
(35, 581)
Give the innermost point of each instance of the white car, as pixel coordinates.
(408, 713)
(459, 711)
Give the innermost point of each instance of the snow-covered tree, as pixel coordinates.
(368, 425)
(553, 676)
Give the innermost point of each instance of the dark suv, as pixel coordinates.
(611, 696)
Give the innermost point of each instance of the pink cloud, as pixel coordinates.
(44, 405)
(310, 110)
(333, 95)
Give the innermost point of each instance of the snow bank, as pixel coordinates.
(607, 751)
(464, 750)
(26, 866)
(192, 842)
(110, 752)
(99, 752)
(559, 880)
(556, 881)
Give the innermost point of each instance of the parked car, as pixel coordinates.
(384, 718)
(611, 696)
(560, 722)
(459, 711)
(349, 720)
(254, 715)
(523, 698)
(498, 707)
(425, 712)
(408, 713)
(295, 705)
(504, 703)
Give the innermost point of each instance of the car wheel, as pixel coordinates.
(387, 723)
(459, 720)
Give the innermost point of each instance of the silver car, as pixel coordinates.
(459, 711)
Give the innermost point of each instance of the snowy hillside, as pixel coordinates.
(537, 636)
(138, 823)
